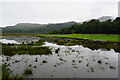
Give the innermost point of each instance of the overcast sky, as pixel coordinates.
(54, 11)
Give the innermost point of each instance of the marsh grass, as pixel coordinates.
(37, 43)
(32, 48)
(7, 74)
(88, 43)
(12, 50)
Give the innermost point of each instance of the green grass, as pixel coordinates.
(108, 37)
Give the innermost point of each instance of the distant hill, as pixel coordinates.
(88, 26)
(36, 28)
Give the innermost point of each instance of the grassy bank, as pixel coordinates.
(108, 37)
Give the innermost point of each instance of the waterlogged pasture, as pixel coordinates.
(65, 62)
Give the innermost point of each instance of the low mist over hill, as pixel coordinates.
(105, 18)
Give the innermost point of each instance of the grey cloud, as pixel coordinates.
(53, 12)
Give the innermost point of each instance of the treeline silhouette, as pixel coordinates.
(92, 27)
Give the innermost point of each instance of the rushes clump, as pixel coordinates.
(57, 50)
(44, 61)
(27, 71)
(6, 73)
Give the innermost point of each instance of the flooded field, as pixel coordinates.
(64, 62)
(26, 39)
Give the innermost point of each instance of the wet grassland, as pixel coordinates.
(31, 48)
(66, 54)
(90, 43)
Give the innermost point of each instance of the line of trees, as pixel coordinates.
(92, 27)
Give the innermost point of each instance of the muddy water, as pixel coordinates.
(66, 62)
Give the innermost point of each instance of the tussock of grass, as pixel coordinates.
(44, 61)
(27, 71)
(57, 50)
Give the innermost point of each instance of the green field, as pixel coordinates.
(108, 37)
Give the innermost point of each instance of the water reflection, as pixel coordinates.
(27, 38)
(5, 41)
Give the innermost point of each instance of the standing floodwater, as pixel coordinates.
(25, 39)
(66, 62)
